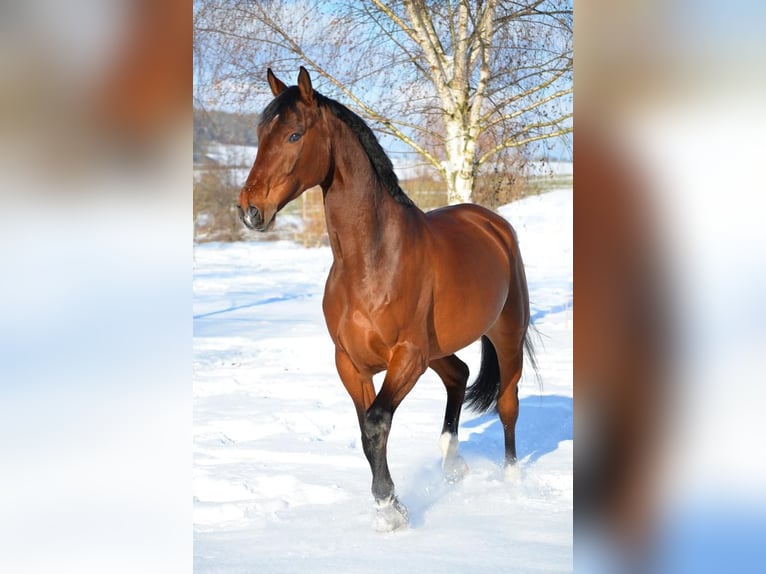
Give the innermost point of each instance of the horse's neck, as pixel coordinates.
(361, 215)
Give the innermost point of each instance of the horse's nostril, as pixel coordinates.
(254, 215)
(250, 216)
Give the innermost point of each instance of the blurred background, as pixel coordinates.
(669, 271)
(95, 294)
(97, 220)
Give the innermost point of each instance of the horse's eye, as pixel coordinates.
(294, 137)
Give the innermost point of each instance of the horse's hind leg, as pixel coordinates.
(508, 406)
(507, 336)
(454, 374)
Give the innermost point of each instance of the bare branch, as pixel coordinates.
(526, 93)
(483, 34)
(512, 141)
(530, 11)
(529, 108)
(435, 57)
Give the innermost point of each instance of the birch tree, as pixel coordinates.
(460, 82)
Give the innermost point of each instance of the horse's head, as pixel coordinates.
(293, 152)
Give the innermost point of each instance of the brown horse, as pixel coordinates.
(407, 289)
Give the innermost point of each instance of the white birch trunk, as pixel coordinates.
(460, 151)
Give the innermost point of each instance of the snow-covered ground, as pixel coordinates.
(280, 481)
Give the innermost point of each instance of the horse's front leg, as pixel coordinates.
(374, 428)
(359, 386)
(407, 363)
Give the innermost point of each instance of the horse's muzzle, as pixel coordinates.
(253, 218)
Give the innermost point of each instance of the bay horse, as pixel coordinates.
(406, 289)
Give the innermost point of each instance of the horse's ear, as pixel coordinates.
(277, 85)
(304, 84)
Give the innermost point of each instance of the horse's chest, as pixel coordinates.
(367, 338)
(367, 316)
(365, 334)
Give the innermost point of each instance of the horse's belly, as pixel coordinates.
(458, 322)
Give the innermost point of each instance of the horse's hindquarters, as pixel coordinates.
(474, 277)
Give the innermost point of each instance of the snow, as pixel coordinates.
(280, 480)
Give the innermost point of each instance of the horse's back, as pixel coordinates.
(472, 225)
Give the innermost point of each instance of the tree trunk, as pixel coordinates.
(463, 190)
(459, 168)
(459, 186)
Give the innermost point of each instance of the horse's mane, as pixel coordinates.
(381, 163)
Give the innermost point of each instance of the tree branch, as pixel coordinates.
(530, 11)
(529, 108)
(528, 92)
(511, 142)
(483, 31)
(435, 57)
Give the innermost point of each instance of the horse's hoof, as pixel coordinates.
(512, 473)
(390, 515)
(454, 469)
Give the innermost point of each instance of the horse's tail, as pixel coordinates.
(529, 350)
(481, 396)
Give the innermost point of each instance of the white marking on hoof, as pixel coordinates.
(448, 444)
(453, 465)
(390, 515)
(512, 473)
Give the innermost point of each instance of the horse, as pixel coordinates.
(406, 289)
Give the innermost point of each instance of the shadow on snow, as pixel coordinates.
(544, 421)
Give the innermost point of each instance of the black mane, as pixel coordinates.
(380, 162)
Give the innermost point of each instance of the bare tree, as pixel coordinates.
(440, 76)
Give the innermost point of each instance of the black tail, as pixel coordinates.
(481, 396)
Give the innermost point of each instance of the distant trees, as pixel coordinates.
(215, 218)
(467, 84)
(222, 127)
